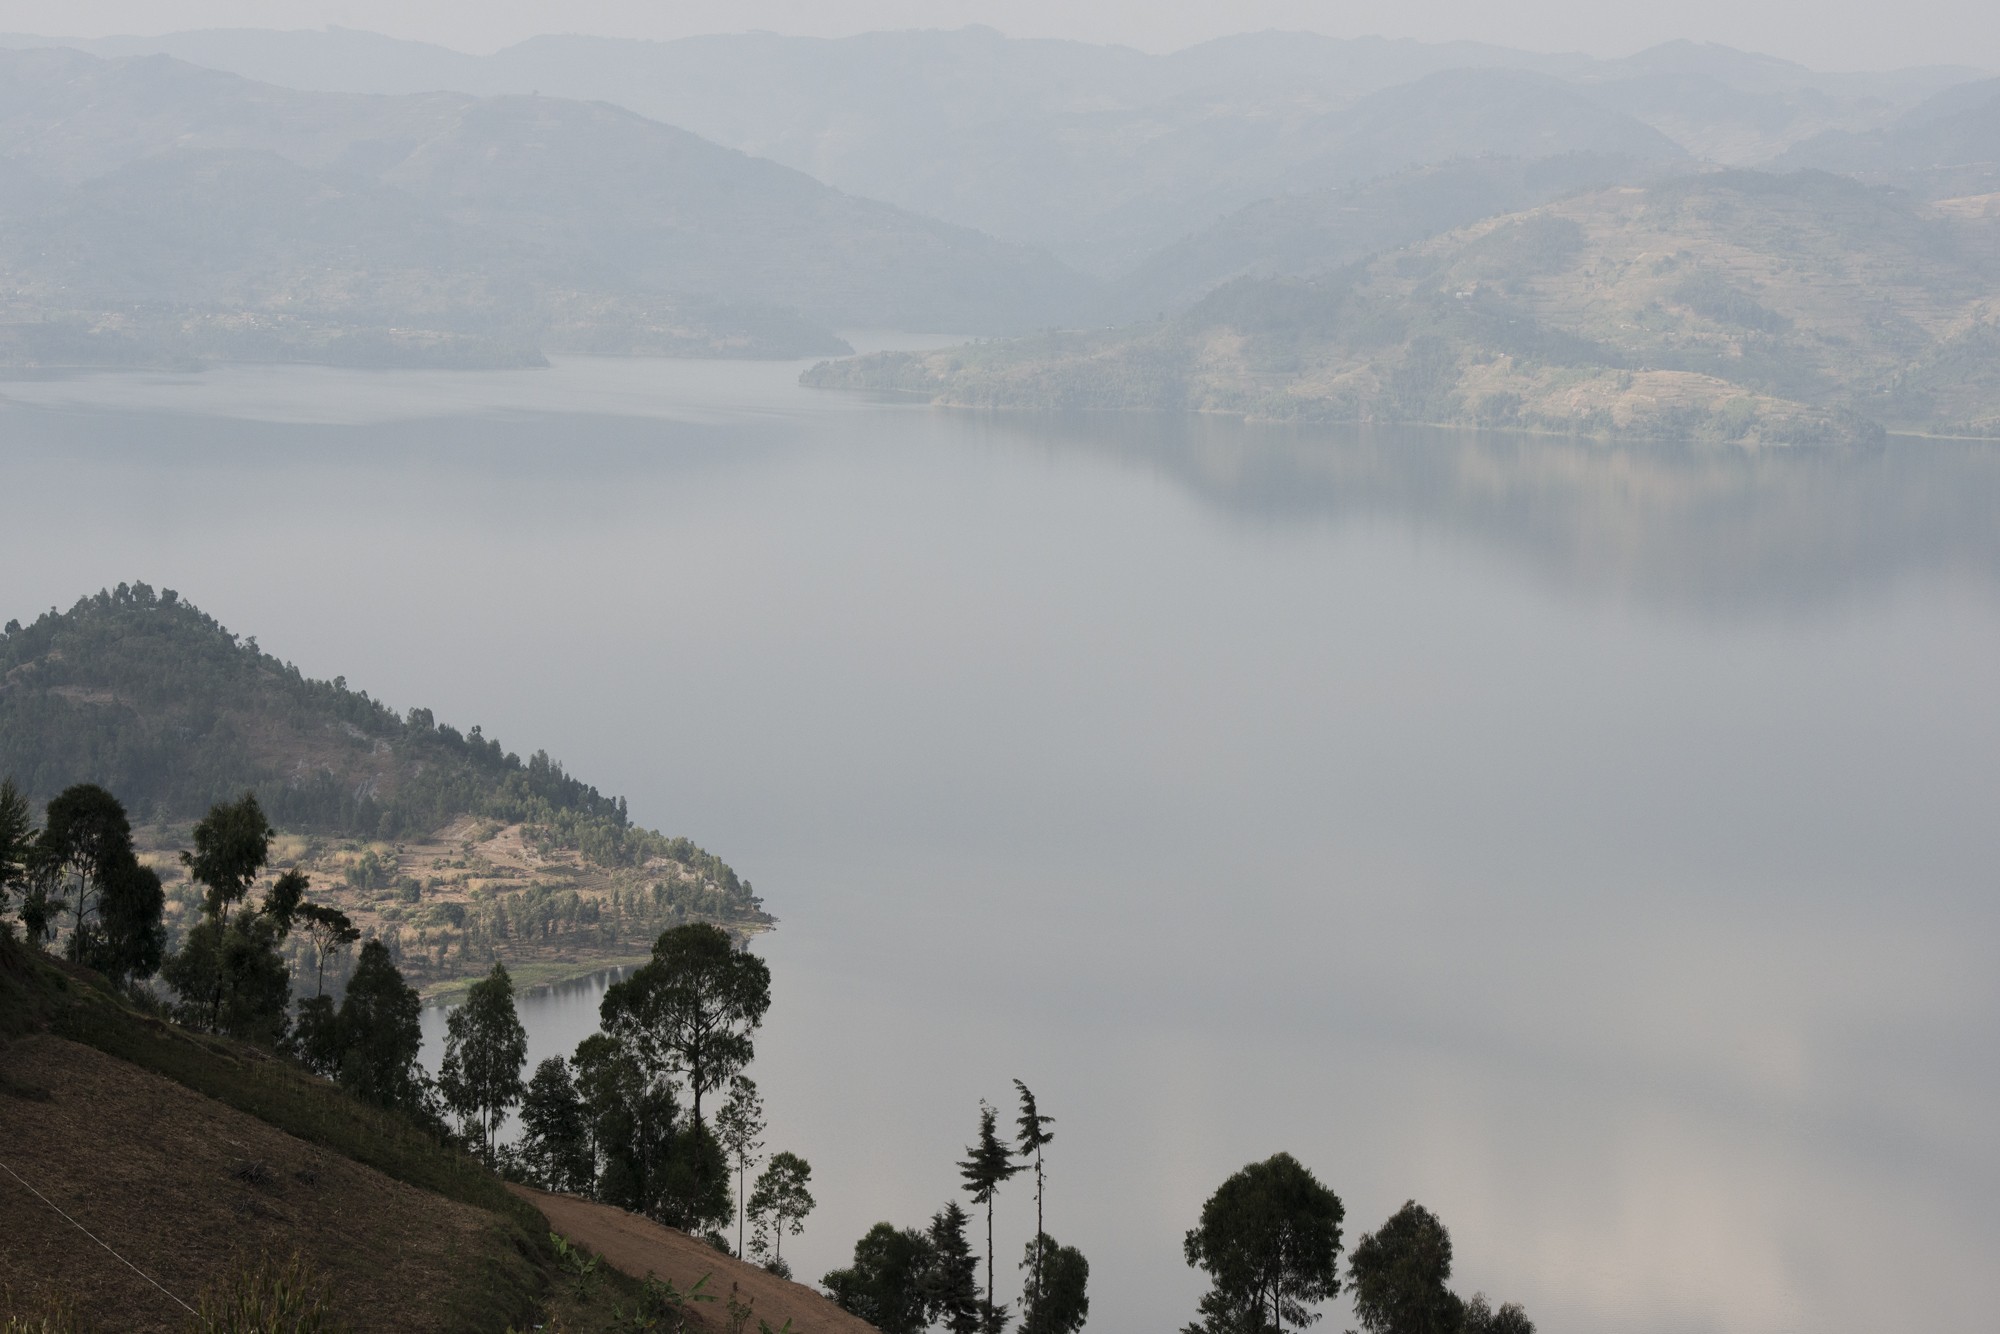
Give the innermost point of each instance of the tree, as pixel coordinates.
(780, 1202)
(329, 930)
(555, 1131)
(131, 937)
(83, 864)
(1057, 1299)
(231, 844)
(1031, 1135)
(84, 848)
(231, 977)
(885, 1286)
(1483, 1319)
(631, 1117)
(951, 1288)
(693, 1190)
(987, 1164)
(693, 1008)
(737, 1127)
(229, 974)
(1269, 1239)
(484, 1050)
(1398, 1276)
(17, 842)
(381, 1035)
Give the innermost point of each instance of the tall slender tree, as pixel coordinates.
(737, 1126)
(987, 1164)
(484, 1050)
(1032, 1133)
(330, 931)
(780, 1204)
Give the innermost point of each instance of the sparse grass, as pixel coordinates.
(271, 1297)
(474, 1269)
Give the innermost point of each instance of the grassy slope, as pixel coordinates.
(192, 1156)
(1733, 306)
(140, 1130)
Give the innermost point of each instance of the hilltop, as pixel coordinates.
(450, 847)
(1730, 305)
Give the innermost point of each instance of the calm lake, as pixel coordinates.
(1598, 845)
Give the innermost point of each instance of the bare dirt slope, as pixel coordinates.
(189, 1189)
(638, 1246)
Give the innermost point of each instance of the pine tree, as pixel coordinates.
(987, 1164)
(951, 1288)
(1031, 1134)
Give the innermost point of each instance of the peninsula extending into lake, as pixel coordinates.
(454, 852)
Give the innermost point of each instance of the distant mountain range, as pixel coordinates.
(345, 197)
(155, 210)
(1104, 154)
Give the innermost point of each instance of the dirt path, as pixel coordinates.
(638, 1246)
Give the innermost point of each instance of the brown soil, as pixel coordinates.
(638, 1246)
(190, 1191)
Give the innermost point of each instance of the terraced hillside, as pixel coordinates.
(1735, 305)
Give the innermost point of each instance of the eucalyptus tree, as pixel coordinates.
(555, 1131)
(484, 1050)
(692, 1010)
(378, 1036)
(1269, 1239)
(1058, 1298)
(1032, 1134)
(737, 1127)
(229, 973)
(1398, 1275)
(82, 864)
(886, 1284)
(780, 1203)
(330, 931)
(987, 1164)
(231, 845)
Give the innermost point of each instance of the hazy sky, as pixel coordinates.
(1828, 34)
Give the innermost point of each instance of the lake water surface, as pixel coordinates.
(1597, 845)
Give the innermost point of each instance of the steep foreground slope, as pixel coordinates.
(1735, 305)
(190, 1158)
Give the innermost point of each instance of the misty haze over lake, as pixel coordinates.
(1593, 844)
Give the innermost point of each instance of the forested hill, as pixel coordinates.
(145, 694)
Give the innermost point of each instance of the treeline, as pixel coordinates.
(145, 694)
(622, 1120)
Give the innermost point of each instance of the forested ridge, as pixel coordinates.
(142, 692)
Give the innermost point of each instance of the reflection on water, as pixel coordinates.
(1595, 844)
